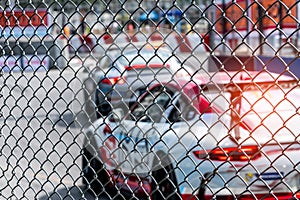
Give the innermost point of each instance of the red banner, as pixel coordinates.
(33, 18)
(267, 13)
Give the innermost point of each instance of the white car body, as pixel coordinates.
(196, 146)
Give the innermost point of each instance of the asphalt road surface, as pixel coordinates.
(41, 138)
(40, 141)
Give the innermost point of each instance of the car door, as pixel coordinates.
(137, 131)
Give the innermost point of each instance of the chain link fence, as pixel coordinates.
(149, 99)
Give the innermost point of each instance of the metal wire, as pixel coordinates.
(61, 82)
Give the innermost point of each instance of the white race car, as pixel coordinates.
(220, 136)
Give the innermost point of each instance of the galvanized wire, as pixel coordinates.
(53, 56)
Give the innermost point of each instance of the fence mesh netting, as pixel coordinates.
(129, 99)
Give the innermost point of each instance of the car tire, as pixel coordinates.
(103, 108)
(94, 177)
(87, 175)
(164, 184)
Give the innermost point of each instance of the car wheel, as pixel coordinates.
(103, 108)
(95, 178)
(87, 171)
(164, 184)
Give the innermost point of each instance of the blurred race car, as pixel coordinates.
(122, 75)
(217, 136)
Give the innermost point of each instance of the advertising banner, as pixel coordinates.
(10, 63)
(29, 22)
(258, 14)
(25, 63)
(35, 63)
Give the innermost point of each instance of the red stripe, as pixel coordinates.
(108, 39)
(132, 38)
(131, 182)
(156, 37)
(278, 196)
(143, 66)
(188, 197)
(183, 43)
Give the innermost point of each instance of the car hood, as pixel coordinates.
(212, 130)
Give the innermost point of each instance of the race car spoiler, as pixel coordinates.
(234, 87)
(237, 83)
(234, 82)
